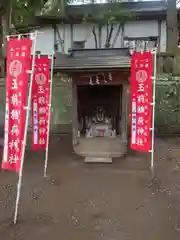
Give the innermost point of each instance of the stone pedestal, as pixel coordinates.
(100, 149)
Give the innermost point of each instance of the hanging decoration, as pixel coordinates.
(18, 64)
(141, 100)
(40, 102)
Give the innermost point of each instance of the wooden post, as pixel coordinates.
(171, 19)
(120, 109)
(124, 118)
(74, 113)
(71, 34)
(159, 36)
(122, 36)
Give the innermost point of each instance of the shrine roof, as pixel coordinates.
(89, 59)
(76, 13)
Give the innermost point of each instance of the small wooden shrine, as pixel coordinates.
(100, 93)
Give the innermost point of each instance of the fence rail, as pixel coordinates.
(166, 63)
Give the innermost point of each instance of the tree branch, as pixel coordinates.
(100, 35)
(116, 36)
(107, 34)
(110, 35)
(95, 36)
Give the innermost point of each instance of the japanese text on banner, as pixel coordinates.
(18, 64)
(141, 100)
(40, 102)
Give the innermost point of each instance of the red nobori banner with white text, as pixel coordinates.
(40, 102)
(18, 63)
(141, 100)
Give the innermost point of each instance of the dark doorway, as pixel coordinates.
(99, 100)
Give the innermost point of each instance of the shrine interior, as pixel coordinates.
(99, 110)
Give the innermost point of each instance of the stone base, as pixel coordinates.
(100, 148)
(97, 160)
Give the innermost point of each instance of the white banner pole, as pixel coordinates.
(34, 37)
(49, 117)
(21, 35)
(153, 107)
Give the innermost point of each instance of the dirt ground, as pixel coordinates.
(78, 201)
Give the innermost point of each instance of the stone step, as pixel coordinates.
(97, 160)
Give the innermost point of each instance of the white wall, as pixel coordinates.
(163, 36)
(147, 29)
(141, 29)
(83, 32)
(45, 40)
(65, 33)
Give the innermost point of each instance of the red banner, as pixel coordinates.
(18, 63)
(141, 101)
(40, 102)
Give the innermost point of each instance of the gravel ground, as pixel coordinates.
(78, 201)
